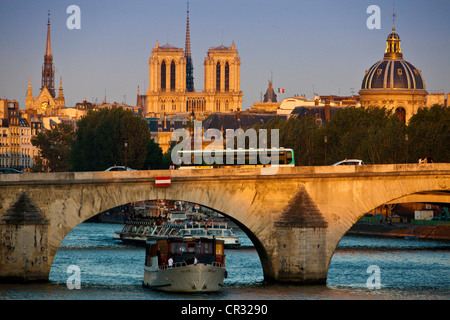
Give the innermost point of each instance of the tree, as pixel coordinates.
(429, 134)
(101, 136)
(54, 148)
(154, 159)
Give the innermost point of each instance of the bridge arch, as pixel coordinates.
(296, 216)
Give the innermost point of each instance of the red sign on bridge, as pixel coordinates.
(162, 181)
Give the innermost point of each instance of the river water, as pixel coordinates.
(407, 269)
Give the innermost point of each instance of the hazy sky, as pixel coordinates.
(320, 45)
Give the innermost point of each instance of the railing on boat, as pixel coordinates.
(184, 264)
(175, 265)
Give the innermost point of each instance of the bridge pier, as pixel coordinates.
(24, 243)
(300, 232)
(301, 255)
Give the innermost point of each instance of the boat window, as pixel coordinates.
(178, 248)
(227, 233)
(206, 248)
(198, 232)
(215, 232)
(185, 232)
(219, 249)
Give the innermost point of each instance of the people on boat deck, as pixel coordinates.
(170, 262)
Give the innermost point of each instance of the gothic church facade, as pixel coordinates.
(171, 82)
(46, 103)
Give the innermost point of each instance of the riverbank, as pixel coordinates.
(401, 230)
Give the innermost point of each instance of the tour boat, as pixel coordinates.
(184, 264)
(138, 231)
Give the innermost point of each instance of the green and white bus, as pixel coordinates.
(235, 158)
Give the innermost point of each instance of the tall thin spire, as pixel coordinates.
(48, 49)
(60, 93)
(48, 71)
(29, 90)
(187, 54)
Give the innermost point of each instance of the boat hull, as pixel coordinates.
(188, 278)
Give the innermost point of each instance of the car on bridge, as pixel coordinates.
(349, 162)
(9, 170)
(119, 168)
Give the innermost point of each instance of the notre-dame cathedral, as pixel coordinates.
(171, 81)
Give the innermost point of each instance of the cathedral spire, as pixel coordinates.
(30, 90)
(187, 54)
(48, 71)
(48, 49)
(60, 94)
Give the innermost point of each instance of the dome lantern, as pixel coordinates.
(393, 50)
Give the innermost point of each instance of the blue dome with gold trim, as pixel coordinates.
(393, 72)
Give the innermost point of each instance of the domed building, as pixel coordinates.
(394, 83)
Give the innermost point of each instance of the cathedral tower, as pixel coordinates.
(171, 81)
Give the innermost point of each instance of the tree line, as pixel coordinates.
(108, 137)
(374, 135)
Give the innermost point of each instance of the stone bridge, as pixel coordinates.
(295, 217)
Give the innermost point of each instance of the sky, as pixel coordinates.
(305, 46)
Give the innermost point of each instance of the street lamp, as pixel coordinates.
(126, 147)
(406, 147)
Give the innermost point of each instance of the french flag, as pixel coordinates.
(162, 181)
(280, 90)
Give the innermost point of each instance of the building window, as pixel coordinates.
(218, 76)
(379, 71)
(163, 76)
(227, 77)
(401, 114)
(400, 72)
(172, 76)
